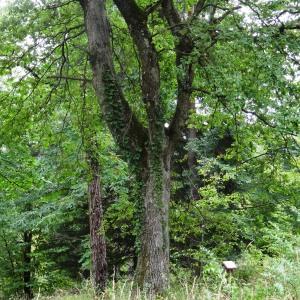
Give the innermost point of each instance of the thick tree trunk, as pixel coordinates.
(151, 143)
(98, 245)
(27, 238)
(152, 271)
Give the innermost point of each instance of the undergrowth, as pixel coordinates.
(258, 277)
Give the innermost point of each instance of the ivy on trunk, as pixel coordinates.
(150, 147)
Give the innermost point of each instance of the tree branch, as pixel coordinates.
(152, 7)
(70, 78)
(185, 77)
(199, 7)
(124, 126)
(172, 16)
(227, 13)
(136, 20)
(59, 4)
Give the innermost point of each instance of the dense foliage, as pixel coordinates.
(235, 175)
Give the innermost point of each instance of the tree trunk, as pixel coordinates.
(192, 165)
(152, 271)
(98, 245)
(151, 146)
(27, 238)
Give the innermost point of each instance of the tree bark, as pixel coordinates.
(151, 147)
(152, 272)
(27, 238)
(192, 165)
(97, 236)
(122, 123)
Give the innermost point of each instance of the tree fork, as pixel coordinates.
(153, 142)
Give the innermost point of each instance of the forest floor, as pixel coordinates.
(257, 278)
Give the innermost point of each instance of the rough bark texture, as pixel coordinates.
(152, 145)
(153, 263)
(183, 50)
(98, 246)
(27, 238)
(125, 128)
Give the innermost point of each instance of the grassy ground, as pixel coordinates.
(267, 288)
(258, 278)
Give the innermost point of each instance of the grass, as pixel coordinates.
(264, 288)
(258, 277)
